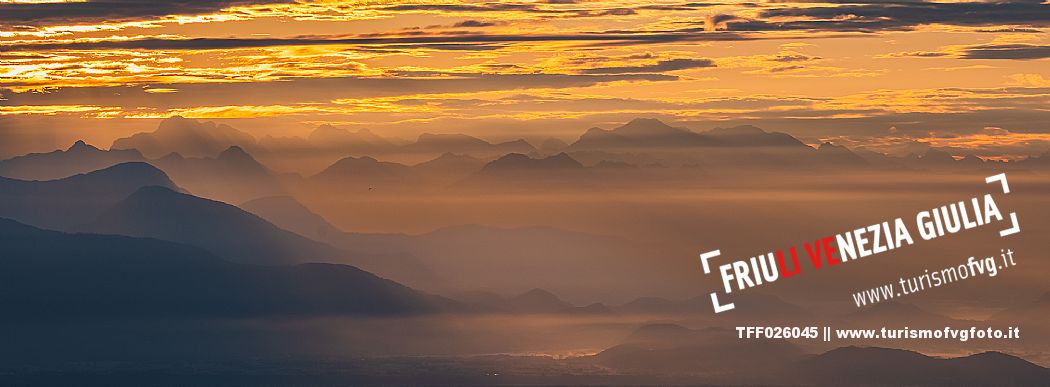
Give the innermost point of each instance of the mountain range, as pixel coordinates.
(78, 158)
(234, 176)
(187, 137)
(53, 275)
(220, 162)
(63, 204)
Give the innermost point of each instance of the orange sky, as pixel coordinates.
(968, 75)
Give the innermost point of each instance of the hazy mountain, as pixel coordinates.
(48, 274)
(64, 203)
(294, 153)
(552, 146)
(187, 137)
(234, 176)
(436, 144)
(653, 134)
(366, 173)
(236, 235)
(289, 214)
(885, 366)
(720, 149)
(456, 143)
(638, 134)
(838, 156)
(536, 301)
(361, 142)
(78, 158)
(518, 171)
(934, 158)
(751, 136)
(223, 229)
(514, 162)
(449, 167)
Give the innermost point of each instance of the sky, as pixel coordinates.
(971, 76)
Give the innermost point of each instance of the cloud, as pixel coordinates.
(309, 90)
(1017, 51)
(95, 11)
(240, 43)
(1006, 51)
(475, 23)
(658, 67)
(871, 16)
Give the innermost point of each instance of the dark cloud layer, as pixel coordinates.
(897, 15)
(234, 43)
(658, 67)
(1007, 51)
(93, 11)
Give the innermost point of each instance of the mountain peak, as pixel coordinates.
(81, 146)
(446, 138)
(646, 122)
(537, 301)
(235, 152)
(738, 130)
(646, 127)
(521, 161)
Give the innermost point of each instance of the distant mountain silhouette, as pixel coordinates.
(52, 275)
(187, 137)
(724, 150)
(520, 162)
(223, 229)
(234, 176)
(364, 173)
(237, 235)
(78, 158)
(65, 203)
(836, 155)
(449, 167)
(552, 146)
(430, 143)
(289, 214)
(537, 301)
(640, 133)
(361, 142)
(884, 366)
(751, 136)
(518, 171)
